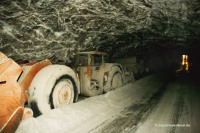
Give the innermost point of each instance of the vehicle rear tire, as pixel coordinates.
(114, 79)
(52, 87)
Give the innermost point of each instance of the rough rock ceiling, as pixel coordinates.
(57, 29)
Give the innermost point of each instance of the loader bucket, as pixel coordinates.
(11, 96)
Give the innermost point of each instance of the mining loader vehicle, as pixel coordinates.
(42, 86)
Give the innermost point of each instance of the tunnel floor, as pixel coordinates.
(152, 105)
(174, 108)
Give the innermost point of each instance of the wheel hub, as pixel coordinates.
(63, 93)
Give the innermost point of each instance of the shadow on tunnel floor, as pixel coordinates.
(183, 76)
(191, 76)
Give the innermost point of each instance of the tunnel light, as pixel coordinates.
(183, 59)
(185, 63)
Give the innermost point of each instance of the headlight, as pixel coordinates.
(94, 84)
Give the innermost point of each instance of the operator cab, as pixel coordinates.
(91, 58)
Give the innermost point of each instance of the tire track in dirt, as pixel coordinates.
(179, 108)
(134, 115)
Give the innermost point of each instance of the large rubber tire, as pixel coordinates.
(115, 79)
(52, 87)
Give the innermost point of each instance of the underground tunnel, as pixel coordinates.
(141, 65)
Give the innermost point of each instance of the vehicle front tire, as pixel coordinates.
(54, 86)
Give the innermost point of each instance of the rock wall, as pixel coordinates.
(58, 29)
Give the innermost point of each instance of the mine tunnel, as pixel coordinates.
(99, 66)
